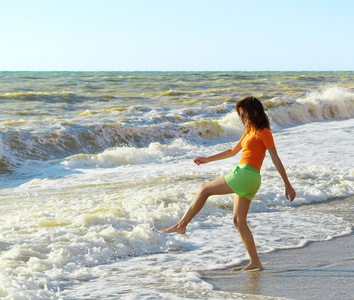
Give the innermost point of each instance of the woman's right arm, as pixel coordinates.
(222, 155)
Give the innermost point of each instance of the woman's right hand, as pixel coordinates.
(200, 160)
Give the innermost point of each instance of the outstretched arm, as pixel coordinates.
(290, 193)
(222, 155)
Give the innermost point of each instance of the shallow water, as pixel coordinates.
(94, 164)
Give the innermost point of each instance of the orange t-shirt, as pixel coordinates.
(254, 146)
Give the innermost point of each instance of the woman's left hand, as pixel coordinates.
(290, 193)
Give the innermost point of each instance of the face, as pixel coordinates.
(243, 117)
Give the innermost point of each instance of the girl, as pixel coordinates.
(245, 180)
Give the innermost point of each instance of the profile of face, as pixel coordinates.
(243, 116)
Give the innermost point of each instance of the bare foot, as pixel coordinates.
(176, 228)
(253, 266)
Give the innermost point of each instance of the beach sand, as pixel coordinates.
(320, 270)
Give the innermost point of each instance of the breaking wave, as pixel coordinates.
(58, 141)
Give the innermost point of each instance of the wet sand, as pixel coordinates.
(320, 270)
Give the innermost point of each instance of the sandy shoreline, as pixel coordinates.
(320, 270)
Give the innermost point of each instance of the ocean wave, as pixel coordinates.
(89, 135)
(54, 96)
(95, 112)
(179, 93)
(331, 103)
(48, 143)
(117, 156)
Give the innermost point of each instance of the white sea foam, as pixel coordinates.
(69, 228)
(155, 152)
(81, 217)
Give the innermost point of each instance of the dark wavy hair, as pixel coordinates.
(256, 114)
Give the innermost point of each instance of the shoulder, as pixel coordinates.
(267, 138)
(265, 132)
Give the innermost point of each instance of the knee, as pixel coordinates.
(205, 190)
(239, 224)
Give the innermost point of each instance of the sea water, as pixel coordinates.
(93, 165)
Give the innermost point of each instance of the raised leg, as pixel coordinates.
(215, 187)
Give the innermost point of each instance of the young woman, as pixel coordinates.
(245, 180)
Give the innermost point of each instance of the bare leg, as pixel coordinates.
(215, 187)
(241, 206)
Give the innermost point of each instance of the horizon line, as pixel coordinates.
(184, 71)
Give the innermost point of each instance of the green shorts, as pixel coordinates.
(244, 181)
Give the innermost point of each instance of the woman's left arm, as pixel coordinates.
(290, 193)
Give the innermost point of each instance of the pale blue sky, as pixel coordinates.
(176, 35)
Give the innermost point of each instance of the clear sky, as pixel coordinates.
(176, 35)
